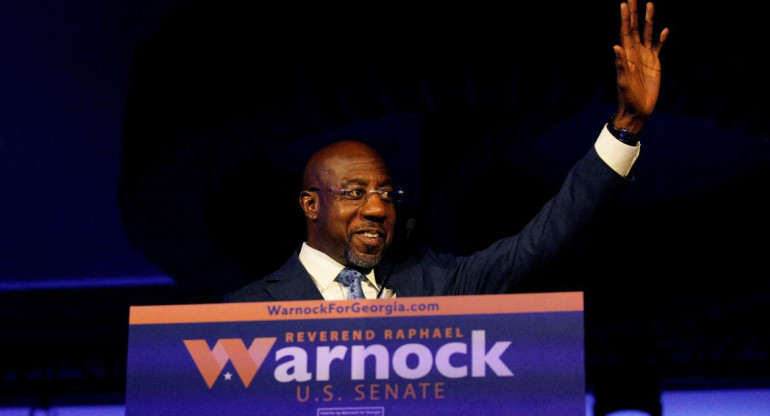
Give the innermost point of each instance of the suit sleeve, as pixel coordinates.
(590, 186)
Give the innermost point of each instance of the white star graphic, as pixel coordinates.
(228, 376)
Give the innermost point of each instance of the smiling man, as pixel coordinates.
(348, 202)
(349, 205)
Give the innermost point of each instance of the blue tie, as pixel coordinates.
(351, 278)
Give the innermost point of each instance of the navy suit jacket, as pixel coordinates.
(560, 225)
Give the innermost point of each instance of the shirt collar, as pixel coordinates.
(323, 268)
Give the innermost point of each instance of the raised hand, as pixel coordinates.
(637, 66)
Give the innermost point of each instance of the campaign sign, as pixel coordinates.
(513, 354)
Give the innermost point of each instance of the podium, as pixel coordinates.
(507, 354)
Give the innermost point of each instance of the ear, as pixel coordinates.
(308, 200)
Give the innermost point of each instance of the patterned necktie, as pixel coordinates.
(351, 278)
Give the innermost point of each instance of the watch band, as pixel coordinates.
(623, 135)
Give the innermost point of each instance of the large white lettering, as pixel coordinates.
(444, 366)
(325, 358)
(296, 368)
(481, 358)
(424, 361)
(381, 359)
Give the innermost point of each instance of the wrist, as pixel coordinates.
(631, 121)
(626, 130)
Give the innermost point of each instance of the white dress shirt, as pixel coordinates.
(323, 269)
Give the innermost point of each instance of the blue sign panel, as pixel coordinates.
(479, 355)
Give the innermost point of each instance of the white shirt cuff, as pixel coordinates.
(619, 156)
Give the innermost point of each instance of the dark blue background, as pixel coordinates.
(150, 153)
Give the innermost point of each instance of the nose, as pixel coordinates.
(375, 207)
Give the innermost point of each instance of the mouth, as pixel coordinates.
(370, 237)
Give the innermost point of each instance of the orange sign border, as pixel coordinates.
(368, 308)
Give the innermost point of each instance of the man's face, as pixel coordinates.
(353, 232)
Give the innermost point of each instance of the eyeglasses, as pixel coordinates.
(389, 195)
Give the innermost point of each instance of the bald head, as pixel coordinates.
(323, 162)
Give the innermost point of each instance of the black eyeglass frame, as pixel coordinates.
(359, 194)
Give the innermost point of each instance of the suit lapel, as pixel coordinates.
(292, 282)
(402, 278)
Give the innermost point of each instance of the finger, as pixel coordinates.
(648, 16)
(626, 40)
(634, 14)
(661, 40)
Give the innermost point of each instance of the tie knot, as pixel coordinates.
(347, 276)
(351, 278)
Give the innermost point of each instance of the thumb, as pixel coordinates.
(620, 58)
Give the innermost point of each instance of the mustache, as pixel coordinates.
(368, 225)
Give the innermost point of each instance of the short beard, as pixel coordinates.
(352, 259)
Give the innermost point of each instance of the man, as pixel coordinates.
(348, 201)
